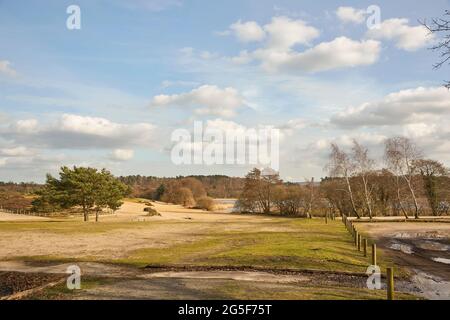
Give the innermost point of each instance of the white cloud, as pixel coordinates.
(26, 126)
(206, 100)
(16, 152)
(418, 130)
(79, 132)
(340, 53)
(405, 37)
(5, 68)
(122, 154)
(406, 106)
(281, 33)
(284, 33)
(351, 15)
(249, 31)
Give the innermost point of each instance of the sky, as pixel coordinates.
(111, 93)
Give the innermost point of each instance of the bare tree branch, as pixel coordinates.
(441, 28)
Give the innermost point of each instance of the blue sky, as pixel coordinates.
(312, 69)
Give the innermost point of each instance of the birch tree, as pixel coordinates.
(400, 155)
(341, 165)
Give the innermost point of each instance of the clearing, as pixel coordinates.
(190, 254)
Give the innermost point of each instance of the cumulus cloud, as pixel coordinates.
(15, 152)
(405, 37)
(26, 126)
(406, 106)
(342, 52)
(79, 132)
(249, 31)
(5, 68)
(283, 34)
(419, 130)
(122, 154)
(351, 15)
(206, 100)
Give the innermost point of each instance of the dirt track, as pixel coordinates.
(122, 282)
(418, 247)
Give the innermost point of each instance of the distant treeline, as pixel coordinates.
(215, 186)
(15, 196)
(405, 182)
(23, 187)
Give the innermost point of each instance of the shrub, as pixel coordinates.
(206, 203)
(152, 212)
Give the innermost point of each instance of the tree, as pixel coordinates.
(340, 165)
(110, 192)
(430, 171)
(310, 198)
(196, 187)
(336, 195)
(400, 155)
(257, 195)
(185, 198)
(159, 192)
(363, 165)
(384, 192)
(84, 187)
(206, 203)
(441, 28)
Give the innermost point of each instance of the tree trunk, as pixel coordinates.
(366, 194)
(85, 214)
(416, 205)
(400, 201)
(350, 192)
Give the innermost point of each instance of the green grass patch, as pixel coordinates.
(74, 227)
(257, 291)
(309, 244)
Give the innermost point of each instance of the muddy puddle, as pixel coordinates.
(427, 255)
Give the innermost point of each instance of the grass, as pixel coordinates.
(258, 291)
(293, 244)
(74, 227)
(308, 244)
(272, 243)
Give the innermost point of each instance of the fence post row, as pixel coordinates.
(362, 243)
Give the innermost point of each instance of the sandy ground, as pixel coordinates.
(19, 217)
(119, 242)
(422, 248)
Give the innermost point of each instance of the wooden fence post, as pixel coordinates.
(359, 242)
(365, 247)
(390, 283)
